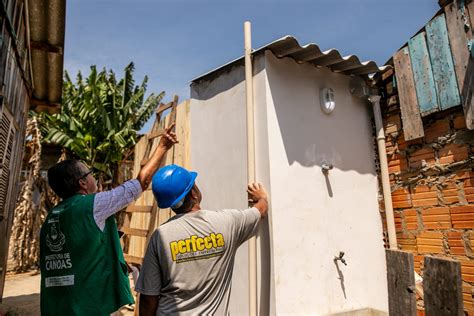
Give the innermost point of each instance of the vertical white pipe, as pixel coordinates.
(250, 163)
(387, 193)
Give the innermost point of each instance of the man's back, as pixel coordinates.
(190, 259)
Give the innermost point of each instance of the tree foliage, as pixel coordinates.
(100, 117)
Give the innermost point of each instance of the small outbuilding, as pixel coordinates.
(321, 250)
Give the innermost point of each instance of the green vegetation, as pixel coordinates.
(99, 119)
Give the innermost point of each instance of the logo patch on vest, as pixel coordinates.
(55, 239)
(197, 248)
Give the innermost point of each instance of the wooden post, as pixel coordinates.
(401, 283)
(442, 287)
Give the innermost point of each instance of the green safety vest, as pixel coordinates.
(83, 271)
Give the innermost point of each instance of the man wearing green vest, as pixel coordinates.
(83, 271)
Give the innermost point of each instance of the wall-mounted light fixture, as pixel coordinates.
(327, 100)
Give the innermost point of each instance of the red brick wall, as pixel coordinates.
(432, 181)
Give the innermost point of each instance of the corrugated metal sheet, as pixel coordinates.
(47, 30)
(288, 46)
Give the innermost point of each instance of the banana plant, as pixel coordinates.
(100, 118)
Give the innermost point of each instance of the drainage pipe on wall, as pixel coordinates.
(387, 193)
(252, 246)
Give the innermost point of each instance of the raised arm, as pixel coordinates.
(259, 196)
(168, 139)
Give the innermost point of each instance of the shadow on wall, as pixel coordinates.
(223, 79)
(311, 137)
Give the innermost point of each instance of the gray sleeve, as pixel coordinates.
(108, 203)
(244, 223)
(149, 279)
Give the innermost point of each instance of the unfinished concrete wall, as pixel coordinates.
(313, 216)
(432, 182)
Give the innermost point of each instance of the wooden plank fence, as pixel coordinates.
(144, 221)
(438, 63)
(442, 285)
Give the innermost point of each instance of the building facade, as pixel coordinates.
(31, 61)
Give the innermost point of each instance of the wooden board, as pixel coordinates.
(423, 74)
(143, 212)
(138, 220)
(457, 16)
(412, 123)
(458, 38)
(401, 283)
(442, 63)
(470, 12)
(442, 287)
(468, 95)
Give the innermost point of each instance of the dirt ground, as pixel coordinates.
(21, 296)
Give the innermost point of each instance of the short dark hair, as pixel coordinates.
(64, 177)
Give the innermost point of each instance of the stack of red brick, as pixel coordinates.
(432, 180)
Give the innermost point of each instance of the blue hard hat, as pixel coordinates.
(170, 185)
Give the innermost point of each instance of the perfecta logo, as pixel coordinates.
(196, 248)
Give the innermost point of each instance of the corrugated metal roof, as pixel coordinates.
(288, 46)
(47, 30)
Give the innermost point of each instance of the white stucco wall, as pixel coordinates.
(313, 216)
(219, 155)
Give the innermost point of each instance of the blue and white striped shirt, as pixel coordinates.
(108, 203)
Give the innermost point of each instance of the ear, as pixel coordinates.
(83, 184)
(194, 194)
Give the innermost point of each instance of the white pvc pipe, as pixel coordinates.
(387, 193)
(250, 163)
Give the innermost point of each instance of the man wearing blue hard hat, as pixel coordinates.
(187, 269)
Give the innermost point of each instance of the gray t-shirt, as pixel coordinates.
(190, 259)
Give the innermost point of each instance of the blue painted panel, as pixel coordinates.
(423, 75)
(442, 63)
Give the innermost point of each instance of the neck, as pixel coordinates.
(82, 191)
(196, 207)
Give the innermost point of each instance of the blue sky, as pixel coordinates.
(177, 40)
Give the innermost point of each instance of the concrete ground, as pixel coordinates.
(21, 296)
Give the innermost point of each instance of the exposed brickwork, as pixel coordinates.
(462, 216)
(432, 180)
(453, 152)
(430, 242)
(424, 196)
(436, 218)
(401, 198)
(411, 219)
(456, 243)
(467, 296)
(422, 157)
(437, 129)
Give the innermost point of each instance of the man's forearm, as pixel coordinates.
(149, 169)
(148, 305)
